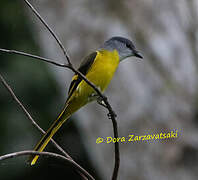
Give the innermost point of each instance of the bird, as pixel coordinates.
(99, 68)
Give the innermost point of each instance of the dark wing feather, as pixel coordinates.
(84, 68)
(87, 62)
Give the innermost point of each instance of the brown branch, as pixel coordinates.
(37, 126)
(49, 154)
(111, 114)
(33, 56)
(49, 29)
(27, 113)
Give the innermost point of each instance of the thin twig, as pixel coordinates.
(112, 116)
(27, 113)
(49, 29)
(49, 154)
(36, 125)
(33, 56)
(117, 153)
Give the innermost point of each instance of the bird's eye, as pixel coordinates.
(128, 45)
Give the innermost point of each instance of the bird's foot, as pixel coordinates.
(101, 102)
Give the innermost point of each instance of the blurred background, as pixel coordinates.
(155, 95)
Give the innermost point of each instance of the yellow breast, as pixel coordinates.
(100, 73)
(103, 68)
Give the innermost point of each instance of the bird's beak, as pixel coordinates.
(137, 54)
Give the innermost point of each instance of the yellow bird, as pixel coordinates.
(99, 68)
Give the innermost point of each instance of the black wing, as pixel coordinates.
(84, 68)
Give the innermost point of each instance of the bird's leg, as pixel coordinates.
(101, 102)
(99, 99)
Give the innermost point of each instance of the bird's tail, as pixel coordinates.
(64, 115)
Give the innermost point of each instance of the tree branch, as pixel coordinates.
(111, 113)
(49, 154)
(50, 30)
(36, 125)
(33, 56)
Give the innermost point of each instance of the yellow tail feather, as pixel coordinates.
(74, 103)
(49, 134)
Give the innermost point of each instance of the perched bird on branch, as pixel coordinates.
(99, 68)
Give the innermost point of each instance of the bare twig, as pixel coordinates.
(50, 30)
(33, 56)
(117, 153)
(27, 113)
(49, 154)
(37, 126)
(112, 116)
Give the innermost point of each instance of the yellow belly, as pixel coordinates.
(100, 74)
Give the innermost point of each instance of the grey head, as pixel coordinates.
(124, 47)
